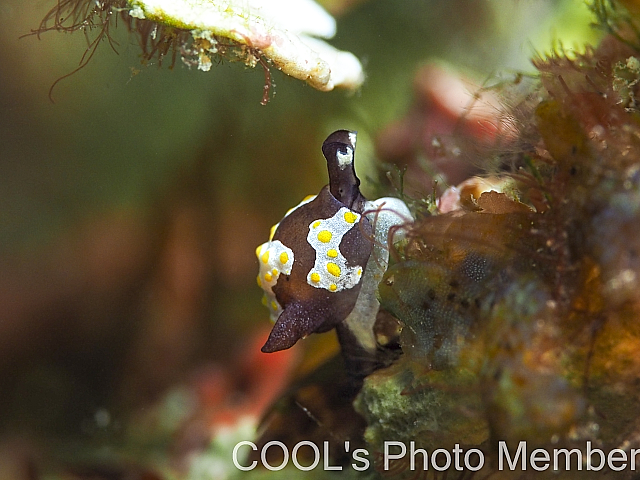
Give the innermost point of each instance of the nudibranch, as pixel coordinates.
(322, 264)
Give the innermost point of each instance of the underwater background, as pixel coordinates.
(134, 195)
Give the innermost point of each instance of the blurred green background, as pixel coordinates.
(131, 207)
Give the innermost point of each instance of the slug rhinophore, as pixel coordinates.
(322, 264)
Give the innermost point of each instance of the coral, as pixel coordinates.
(280, 31)
(273, 33)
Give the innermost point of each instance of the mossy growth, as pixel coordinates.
(519, 312)
(445, 409)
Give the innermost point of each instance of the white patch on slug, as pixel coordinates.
(330, 270)
(274, 258)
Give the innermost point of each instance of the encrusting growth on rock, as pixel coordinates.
(518, 299)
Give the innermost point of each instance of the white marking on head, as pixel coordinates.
(345, 159)
(352, 137)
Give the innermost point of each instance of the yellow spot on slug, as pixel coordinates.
(333, 287)
(316, 224)
(265, 257)
(258, 251)
(333, 269)
(265, 302)
(315, 277)
(359, 271)
(350, 217)
(268, 277)
(259, 281)
(274, 272)
(274, 305)
(333, 253)
(325, 236)
(284, 258)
